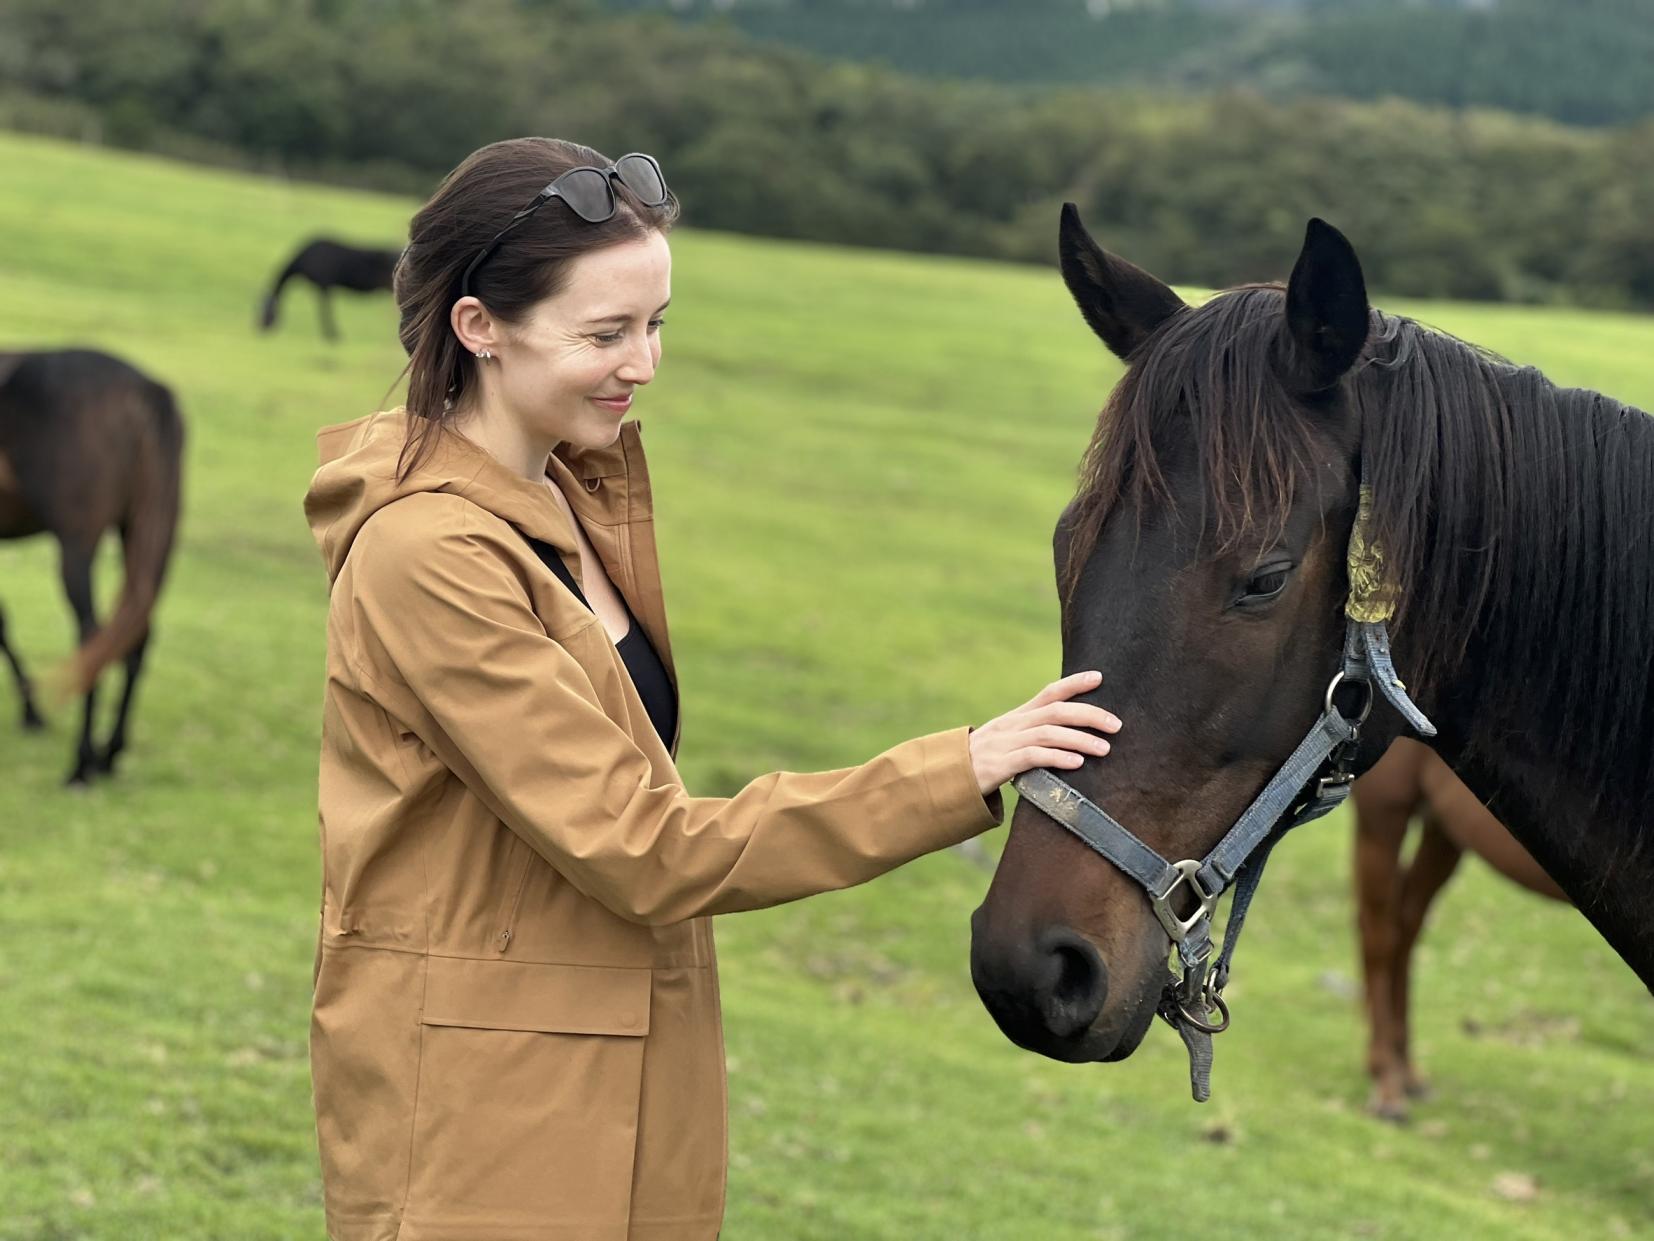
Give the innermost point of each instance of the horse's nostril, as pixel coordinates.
(1080, 985)
(1076, 977)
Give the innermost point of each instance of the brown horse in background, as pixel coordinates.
(1392, 902)
(88, 442)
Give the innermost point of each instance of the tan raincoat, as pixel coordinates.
(516, 1030)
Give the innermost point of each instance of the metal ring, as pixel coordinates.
(1366, 703)
(1200, 1023)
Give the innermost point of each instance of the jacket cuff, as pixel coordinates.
(956, 801)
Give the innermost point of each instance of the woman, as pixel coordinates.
(516, 1028)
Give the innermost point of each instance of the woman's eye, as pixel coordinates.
(1266, 585)
(609, 338)
(655, 325)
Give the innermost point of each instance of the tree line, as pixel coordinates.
(1584, 62)
(1207, 189)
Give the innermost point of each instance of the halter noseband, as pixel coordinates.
(1313, 780)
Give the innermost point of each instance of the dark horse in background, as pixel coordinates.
(1204, 569)
(88, 442)
(331, 265)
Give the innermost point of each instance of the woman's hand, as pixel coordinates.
(1045, 731)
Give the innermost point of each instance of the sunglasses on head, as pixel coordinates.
(589, 194)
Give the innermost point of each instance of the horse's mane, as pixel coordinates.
(1516, 518)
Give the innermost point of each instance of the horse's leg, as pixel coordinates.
(1432, 866)
(1383, 799)
(76, 568)
(324, 299)
(31, 715)
(117, 738)
(134, 662)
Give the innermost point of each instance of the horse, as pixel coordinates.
(1392, 902)
(87, 442)
(1212, 565)
(329, 265)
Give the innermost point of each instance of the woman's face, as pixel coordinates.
(567, 371)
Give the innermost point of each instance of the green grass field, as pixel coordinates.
(858, 460)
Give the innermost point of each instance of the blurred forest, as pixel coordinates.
(1586, 62)
(1207, 188)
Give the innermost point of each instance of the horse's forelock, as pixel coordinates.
(1205, 383)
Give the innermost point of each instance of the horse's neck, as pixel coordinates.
(1549, 719)
(1599, 851)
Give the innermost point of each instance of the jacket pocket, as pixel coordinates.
(529, 1086)
(520, 995)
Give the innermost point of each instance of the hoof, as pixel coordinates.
(1388, 1107)
(1418, 1088)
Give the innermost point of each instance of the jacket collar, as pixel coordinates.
(358, 477)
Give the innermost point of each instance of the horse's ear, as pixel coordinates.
(1326, 310)
(1123, 304)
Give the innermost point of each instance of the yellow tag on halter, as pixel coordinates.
(1372, 598)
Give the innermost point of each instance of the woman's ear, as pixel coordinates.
(477, 330)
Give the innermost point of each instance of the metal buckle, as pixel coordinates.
(1338, 779)
(1179, 928)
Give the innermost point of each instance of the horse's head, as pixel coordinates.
(1202, 569)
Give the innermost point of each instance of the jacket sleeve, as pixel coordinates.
(443, 615)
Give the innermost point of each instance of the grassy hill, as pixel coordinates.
(858, 459)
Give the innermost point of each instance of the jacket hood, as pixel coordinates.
(357, 478)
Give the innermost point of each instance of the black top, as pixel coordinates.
(648, 674)
(637, 653)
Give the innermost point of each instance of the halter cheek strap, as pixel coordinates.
(1313, 780)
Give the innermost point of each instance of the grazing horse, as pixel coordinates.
(1393, 901)
(88, 442)
(1213, 567)
(332, 265)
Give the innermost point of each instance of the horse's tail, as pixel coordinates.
(147, 535)
(272, 300)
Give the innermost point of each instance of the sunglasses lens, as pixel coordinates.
(642, 176)
(587, 193)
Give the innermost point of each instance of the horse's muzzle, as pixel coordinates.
(1045, 991)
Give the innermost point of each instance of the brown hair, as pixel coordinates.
(471, 206)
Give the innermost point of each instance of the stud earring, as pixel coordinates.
(483, 355)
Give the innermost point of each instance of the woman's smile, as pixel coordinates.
(619, 404)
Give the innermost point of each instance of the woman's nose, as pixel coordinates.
(639, 366)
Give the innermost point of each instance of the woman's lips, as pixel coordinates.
(619, 404)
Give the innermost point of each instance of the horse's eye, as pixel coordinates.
(1261, 587)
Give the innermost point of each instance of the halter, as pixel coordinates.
(1313, 780)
